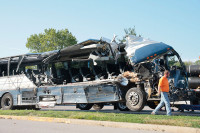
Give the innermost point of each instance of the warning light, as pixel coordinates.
(155, 54)
(151, 56)
(147, 58)
(168, 48)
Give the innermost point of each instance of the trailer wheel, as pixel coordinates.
(152, 104)
(7, 102)
(122, 106)
(135, 99)
(98, 106)
(84, 106)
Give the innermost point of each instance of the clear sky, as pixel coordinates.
(174, 22)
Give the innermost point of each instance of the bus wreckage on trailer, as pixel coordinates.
(96, 72)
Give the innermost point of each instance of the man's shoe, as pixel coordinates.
(152, 113)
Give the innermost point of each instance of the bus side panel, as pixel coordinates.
(50, 91)
(102, 93)
(95, 93)
(74, 94)
(20, 87)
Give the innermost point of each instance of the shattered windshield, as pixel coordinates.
(173, 61)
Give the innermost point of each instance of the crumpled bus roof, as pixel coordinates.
(76, 50)
(138, 49)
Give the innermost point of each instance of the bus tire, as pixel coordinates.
(84, 106)
(122, 106)
(7, 102)
(135, 99)
(98, 106)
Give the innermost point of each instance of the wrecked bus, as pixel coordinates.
(93, 73)
(57, 77)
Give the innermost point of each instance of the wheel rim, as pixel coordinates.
(7, 102)
(133, 98)
(122, 105)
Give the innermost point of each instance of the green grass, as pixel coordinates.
(185, 121)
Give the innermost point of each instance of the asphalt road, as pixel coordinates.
(21, 126)
(110, 109)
